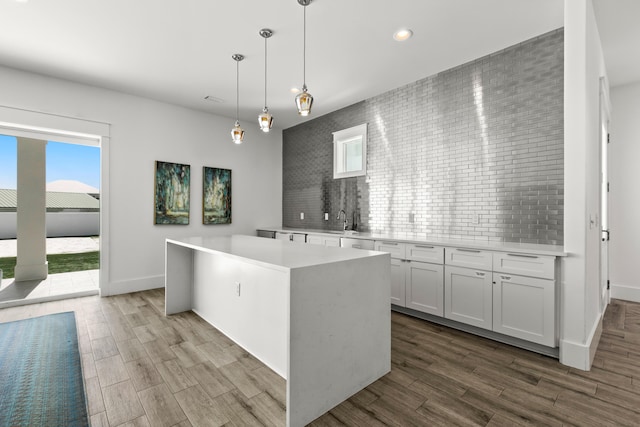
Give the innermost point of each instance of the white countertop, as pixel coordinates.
(417, 238)
(273, 253)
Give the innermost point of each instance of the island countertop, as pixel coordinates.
(272, 253)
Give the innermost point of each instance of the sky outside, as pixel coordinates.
(64, 162)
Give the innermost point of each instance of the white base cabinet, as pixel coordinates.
(398, 282)
(468, 296)
(424, 287)
(510, 293)
(416, 284)
(524, 307)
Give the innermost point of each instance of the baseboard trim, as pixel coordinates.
(133, 285)
(48, 298)
(578, 355)
(627, 293)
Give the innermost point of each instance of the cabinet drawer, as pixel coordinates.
(331, 241)
(314, 240)
(425, 253)
(470, 258)
(348, 242)
(283, 236)
(397, 250)
(524, 264)
(298, 237)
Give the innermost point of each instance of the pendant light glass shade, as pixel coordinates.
(265, 120)
(237, 134)
(304, 100)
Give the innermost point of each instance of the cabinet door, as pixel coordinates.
(468, 296)
(425, 287)
(314, 240)
(524, 307)
(397, 282)
(283, 236)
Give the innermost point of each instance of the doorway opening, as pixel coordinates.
(72, 220)
(605, 294)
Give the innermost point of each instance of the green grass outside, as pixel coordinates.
(58, 263)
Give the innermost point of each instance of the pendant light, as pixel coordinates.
(304, 100)
(265, 119)
(237, 133)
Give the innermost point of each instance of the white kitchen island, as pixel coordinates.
(318, 316)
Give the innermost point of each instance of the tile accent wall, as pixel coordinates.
(473, 152)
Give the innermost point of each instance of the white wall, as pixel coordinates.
(141, 132)
(68, 224)
(59, 224)
(624, 196)
(584, 65)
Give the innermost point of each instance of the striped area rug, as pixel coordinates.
(41, 373)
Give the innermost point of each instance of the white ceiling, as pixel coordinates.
(619, 30)
(180, 51)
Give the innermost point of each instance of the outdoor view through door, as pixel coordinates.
(72, 218)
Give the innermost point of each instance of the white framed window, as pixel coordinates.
(350, 152)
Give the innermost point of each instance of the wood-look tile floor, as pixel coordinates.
(144, 369)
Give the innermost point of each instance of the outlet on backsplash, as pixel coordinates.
(326, 216)
(412, 218)
(301, 215)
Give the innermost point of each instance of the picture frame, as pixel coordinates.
(216, 195)
(172, 186)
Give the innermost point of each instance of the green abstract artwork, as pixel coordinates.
(216, 196)
(172, 186)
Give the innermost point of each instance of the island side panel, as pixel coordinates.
(257, 317)
(178, 278)
(340, 333)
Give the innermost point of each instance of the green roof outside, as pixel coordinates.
(55, 200)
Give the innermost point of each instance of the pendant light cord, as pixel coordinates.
(304, 48)
(265, 72)
(237, 90)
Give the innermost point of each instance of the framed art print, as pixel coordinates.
(216, 196)
(172, 188)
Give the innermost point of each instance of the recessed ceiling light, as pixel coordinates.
(402, 34)
(214, 99)
(21, 1)
(294, 90)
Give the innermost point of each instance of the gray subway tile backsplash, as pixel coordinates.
(472, 152)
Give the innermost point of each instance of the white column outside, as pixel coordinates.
(31, 263)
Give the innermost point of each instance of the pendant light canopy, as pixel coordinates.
(237, 133)
(304, 100)
(265, 119)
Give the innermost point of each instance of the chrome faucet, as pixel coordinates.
(342, 212)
